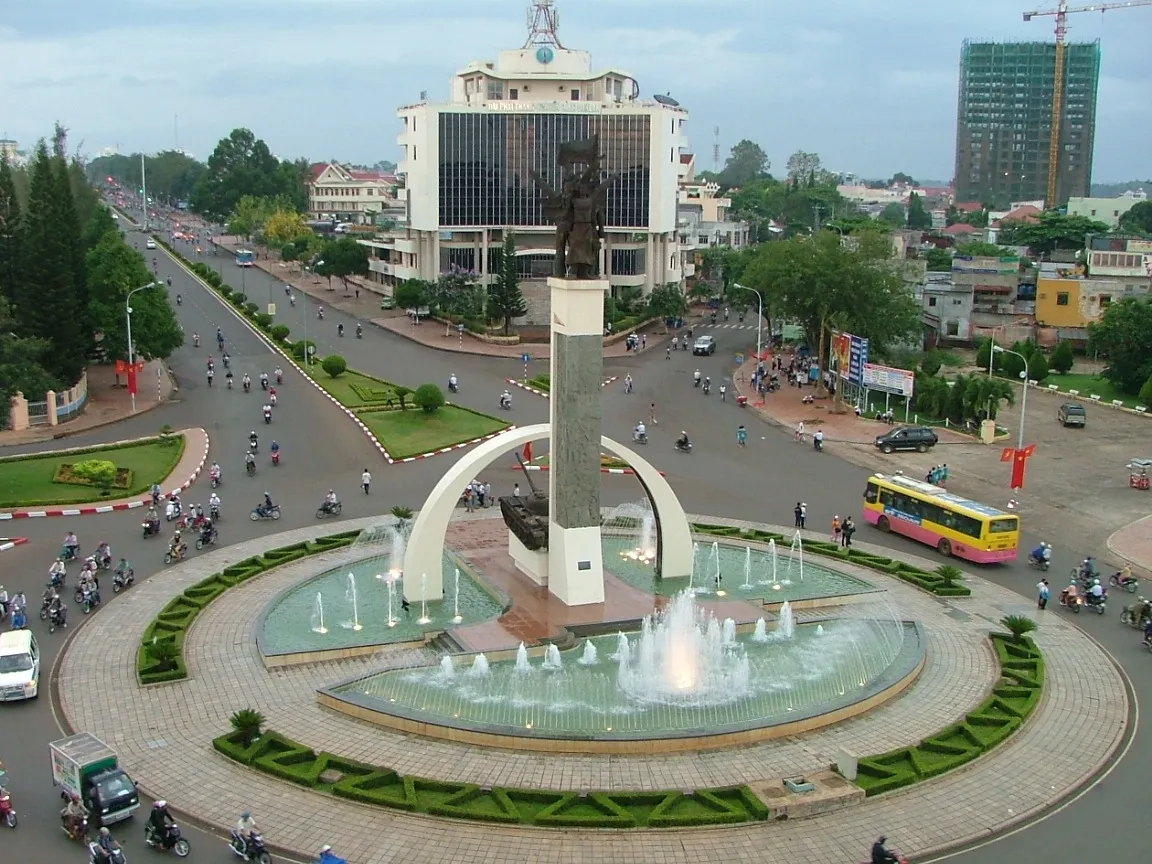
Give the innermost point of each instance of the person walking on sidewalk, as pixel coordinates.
(1042, 593)
(366, 480)
(847, 530)
(836, 529)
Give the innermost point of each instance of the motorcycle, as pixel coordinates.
(104, 562)
(639, 437)
(1136, 615)
(275, 458)
(68, 553)
(78, 831)
(684, 447)
(207, 540)
(96, 855)
(1098, 603)
(263, 512)
(506, 404)
(818, 445)
(124, 578)
(58, 617)
(89, 600)
(151, 527)
(1072, 603)
(46, 605)
(214, 512)
(279, 377)
(329, 509)
(253, 443)
(216, 479)
(1039, 563)
(453, 387)
(250, 467)
(176, 553)
(267, 416)
(359, 332)
(172, 510)
(56, 580)
(170, 839)
(254, 851)
(6, 811)
(1128, 583)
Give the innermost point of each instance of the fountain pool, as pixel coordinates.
(683, 675)
(355, 609)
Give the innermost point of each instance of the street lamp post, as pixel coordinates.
(759, 319)
(131, 351)
(996, 349)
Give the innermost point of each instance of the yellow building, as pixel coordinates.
(1074, 302)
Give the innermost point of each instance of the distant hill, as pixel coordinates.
(1111, 190)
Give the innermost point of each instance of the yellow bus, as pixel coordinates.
(933, 515)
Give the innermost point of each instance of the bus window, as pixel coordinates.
(871, 493)
(1002, 526)
(886, 497)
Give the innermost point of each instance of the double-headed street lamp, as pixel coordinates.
(131, 352)
(997, 349)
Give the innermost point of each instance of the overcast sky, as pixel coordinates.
(868, 84)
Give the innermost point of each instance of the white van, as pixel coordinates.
(19, 666)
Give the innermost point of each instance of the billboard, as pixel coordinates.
(849, 354)
(887, 379)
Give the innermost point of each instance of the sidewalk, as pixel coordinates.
(192, 462)
(107, 403)
(1133, 543)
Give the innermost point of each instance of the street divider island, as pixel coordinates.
(405, 423)
(84, 475)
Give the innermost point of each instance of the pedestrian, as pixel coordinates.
(803, 515)
(643, 341)
(515, 490)
(943, 473)
(847, 530)
(628, 383)
(652, 413)
(741, 435)
(487, 494)
(366, 480)
(1043, 591)
(357, 292)
(668, 353)
(797, 515)
(469, 499)
(836, 529)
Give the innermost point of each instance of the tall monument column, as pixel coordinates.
(575, 556)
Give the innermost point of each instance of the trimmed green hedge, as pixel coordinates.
(172, 622)
(923, 579)
(276, 755)
(1013, 698)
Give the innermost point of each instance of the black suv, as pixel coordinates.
(918, 438)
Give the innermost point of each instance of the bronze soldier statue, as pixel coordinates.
(578, 209)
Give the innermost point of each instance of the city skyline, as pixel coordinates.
(309, 78)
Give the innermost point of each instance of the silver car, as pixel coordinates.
(704, 345)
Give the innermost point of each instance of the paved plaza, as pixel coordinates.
(163, 734)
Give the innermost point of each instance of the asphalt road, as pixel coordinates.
(322, 449)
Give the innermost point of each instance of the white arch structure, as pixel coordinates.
(424, 555)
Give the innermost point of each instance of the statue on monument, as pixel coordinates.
(578, 209)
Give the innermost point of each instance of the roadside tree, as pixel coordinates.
(918, 217)
(343, 259)
(894, 215)
(1062, 359)
(747, 162)
(505, 299)
(11, 224)
(413, 294)
(283, 227)
(241, 165)
(667, 301)
(939, 260)
(1124, 335)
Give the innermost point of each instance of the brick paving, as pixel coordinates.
(1133, 543)
(163, 735)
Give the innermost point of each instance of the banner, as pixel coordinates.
(886, 379)
(848, 355)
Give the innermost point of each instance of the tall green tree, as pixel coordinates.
(1063, 359)
(241, 165)
(1051, 231)
(747, 162)
(805, 167)
(893, 214)
(667, 301)
(48, 306)
(22, 361)
(11, 225)
(1124, 335)
(1138, 219)
(939, 260)
(115, 268)
(918, 217)
(505, 299)
(69, 224)
(343, 259)
(823, 284)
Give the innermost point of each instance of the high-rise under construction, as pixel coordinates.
(1004, 121)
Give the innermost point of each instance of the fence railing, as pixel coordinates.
(38, 413)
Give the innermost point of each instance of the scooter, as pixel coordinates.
(6, 811)
(1039, 563)
(267, 417)
(207, 540)
(340, 330)
(1072, 604)
(818, 445)
(123, 579)
(505, 404)
(79, 831)
(453, 387)
(254, 852)
(176, 553)
(96, 855)
(214, 512)
(1098, 603)
(170, 839)
(275, 458)
(217, 479)
(57, 617)
(1128, 583)
(684, 448)
(173, 510)
(151, 528)
(639, 437)
(359, 331)
(263, 512)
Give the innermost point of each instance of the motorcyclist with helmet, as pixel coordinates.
(106, 845)
(682, 442)
(244, 829)
(253, 441)
(160, 822)
(1041, 555)
(73, 815)
(881, 854)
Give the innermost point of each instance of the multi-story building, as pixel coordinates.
(1069, 304)
(1128, 260)
(1106, 210)
(1004, 121)
(471, 168)
(346, 195)
(9, 150)
(703, 217)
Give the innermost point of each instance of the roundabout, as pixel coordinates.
(165, 732)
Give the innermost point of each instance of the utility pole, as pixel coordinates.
(144, 191)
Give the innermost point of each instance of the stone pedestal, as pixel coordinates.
(575, 558)
(534, 565)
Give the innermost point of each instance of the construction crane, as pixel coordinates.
(1062, 12)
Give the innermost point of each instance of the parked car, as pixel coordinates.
(1072, 414)
(704, 345)
(918, 438)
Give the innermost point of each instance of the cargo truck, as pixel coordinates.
(84, 766)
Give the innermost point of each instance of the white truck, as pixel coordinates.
(84, 766)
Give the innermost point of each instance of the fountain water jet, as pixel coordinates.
(318, 615)
(456, 616)
(695, 561)
(715, 565)
(747, 568)
(396, 553)
(786, 623)
(681, 659)
(621, 647)
(354, 624)
(796, 555)
(479, 667)
(729, 632)
(590, 656)
(424, 619)
(391, 594)
(552, 658)
(522, 665)
(447, 667)
(760, 634)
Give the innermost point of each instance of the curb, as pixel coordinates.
(1114, 548)
(263, 337)
(7, 543)
(628, 471)
(536, 392)
(109, 508)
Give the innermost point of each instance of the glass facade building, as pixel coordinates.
(486, 162)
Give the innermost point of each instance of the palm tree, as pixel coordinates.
(949, 574)
(248, 723)
(164, 653)
(403, 516)
(1018, 625)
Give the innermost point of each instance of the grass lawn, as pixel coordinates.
(354, 390)
(408, 433)
(1089, 385)
(27, 482)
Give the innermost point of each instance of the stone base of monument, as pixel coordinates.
(821, 793)
(533, 564)
(575, 565)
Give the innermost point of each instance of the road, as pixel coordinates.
(322, 450)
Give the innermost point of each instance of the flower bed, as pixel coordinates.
(172, 622)
(910, 573)
(368, 784)
(1012, 700)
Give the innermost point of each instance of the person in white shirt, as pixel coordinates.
(640, 432)
(366, 480)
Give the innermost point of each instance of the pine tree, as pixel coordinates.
(70, 226)
(10, 228)
(47, 305)
(1062, 358)
(505, 299)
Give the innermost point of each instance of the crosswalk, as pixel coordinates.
(730, 326)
